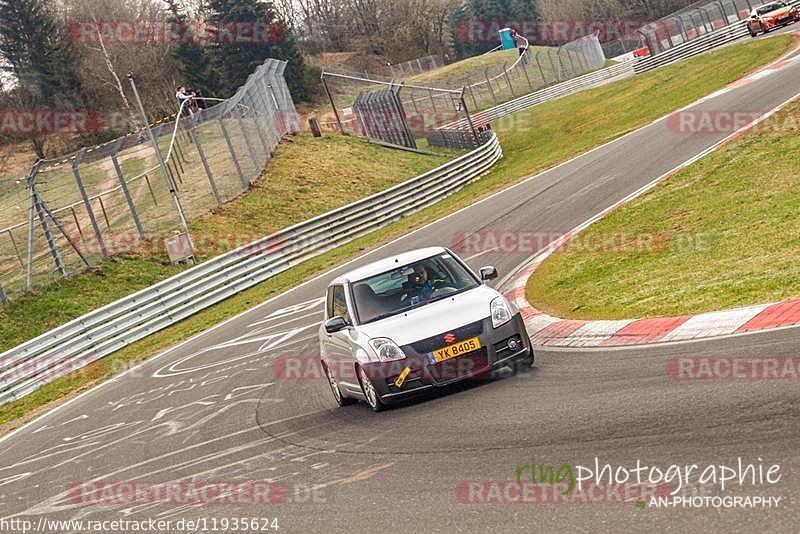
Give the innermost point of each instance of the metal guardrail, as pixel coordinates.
(74, 345)
(25, 368)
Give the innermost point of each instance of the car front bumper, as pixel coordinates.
(424, 375)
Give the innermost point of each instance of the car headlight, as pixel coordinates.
(501, 311)
(386, 349)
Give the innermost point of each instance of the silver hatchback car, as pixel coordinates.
(413, 322)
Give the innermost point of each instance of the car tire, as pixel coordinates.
(752, 34)
(764, 29)
(521, 366)
(340, 399)
(370, 394)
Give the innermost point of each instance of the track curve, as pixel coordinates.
(215, 409)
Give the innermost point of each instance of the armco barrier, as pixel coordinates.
(25, 368)
(97, 334)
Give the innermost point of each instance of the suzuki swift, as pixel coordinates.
(413, 322)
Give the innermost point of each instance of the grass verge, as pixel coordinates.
(726, 230)
(536, 139)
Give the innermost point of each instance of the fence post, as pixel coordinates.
(227, 137)
(489, 84)
(247, 143)
(207, 168)
(527, 76)
(161, 162)
(508, 80)
(87, 203)
(333, 104)
(48, 235)
(31, 208)
(433, 102)
(541, 70)
(255, 114)
(556, 70)
(3, 297)
(124, 186)
(16, 249)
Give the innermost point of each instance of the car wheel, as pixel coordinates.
(753, 34)
(340, 399)
(764, 29)
(369, 391)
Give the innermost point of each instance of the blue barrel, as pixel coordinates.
(506, 40)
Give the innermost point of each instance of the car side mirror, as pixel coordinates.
(488, 273)
(335, 324)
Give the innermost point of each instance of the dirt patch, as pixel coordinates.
(351, 61)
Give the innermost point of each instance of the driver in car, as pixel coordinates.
(419, 286)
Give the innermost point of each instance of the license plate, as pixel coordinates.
(454, 350)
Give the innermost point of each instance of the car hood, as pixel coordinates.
(435, 318)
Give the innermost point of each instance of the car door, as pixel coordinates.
(339, 350)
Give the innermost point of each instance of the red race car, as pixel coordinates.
(770, 16)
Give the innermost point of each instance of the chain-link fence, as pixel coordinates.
(116, 198)
(428, 107)
(693, 21)
(415, 66)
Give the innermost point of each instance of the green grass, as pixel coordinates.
(554, 132)
(727, 229)
(472, 68)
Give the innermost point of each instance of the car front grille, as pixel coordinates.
(465, 365)
(437, 342)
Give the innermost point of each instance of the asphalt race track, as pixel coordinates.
(213, 409)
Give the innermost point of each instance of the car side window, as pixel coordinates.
(339, 304)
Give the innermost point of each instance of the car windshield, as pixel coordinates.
(410, 286)
(770, 7)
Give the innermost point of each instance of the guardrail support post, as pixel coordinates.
(87, 203)
(124, 186)
(3, 297)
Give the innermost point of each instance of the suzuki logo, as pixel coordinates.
(449, 337)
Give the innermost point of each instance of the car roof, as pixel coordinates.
(387, 264)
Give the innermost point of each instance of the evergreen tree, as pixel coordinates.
(38, 53)
(197, 66)
(492, 15)
(235, 59)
